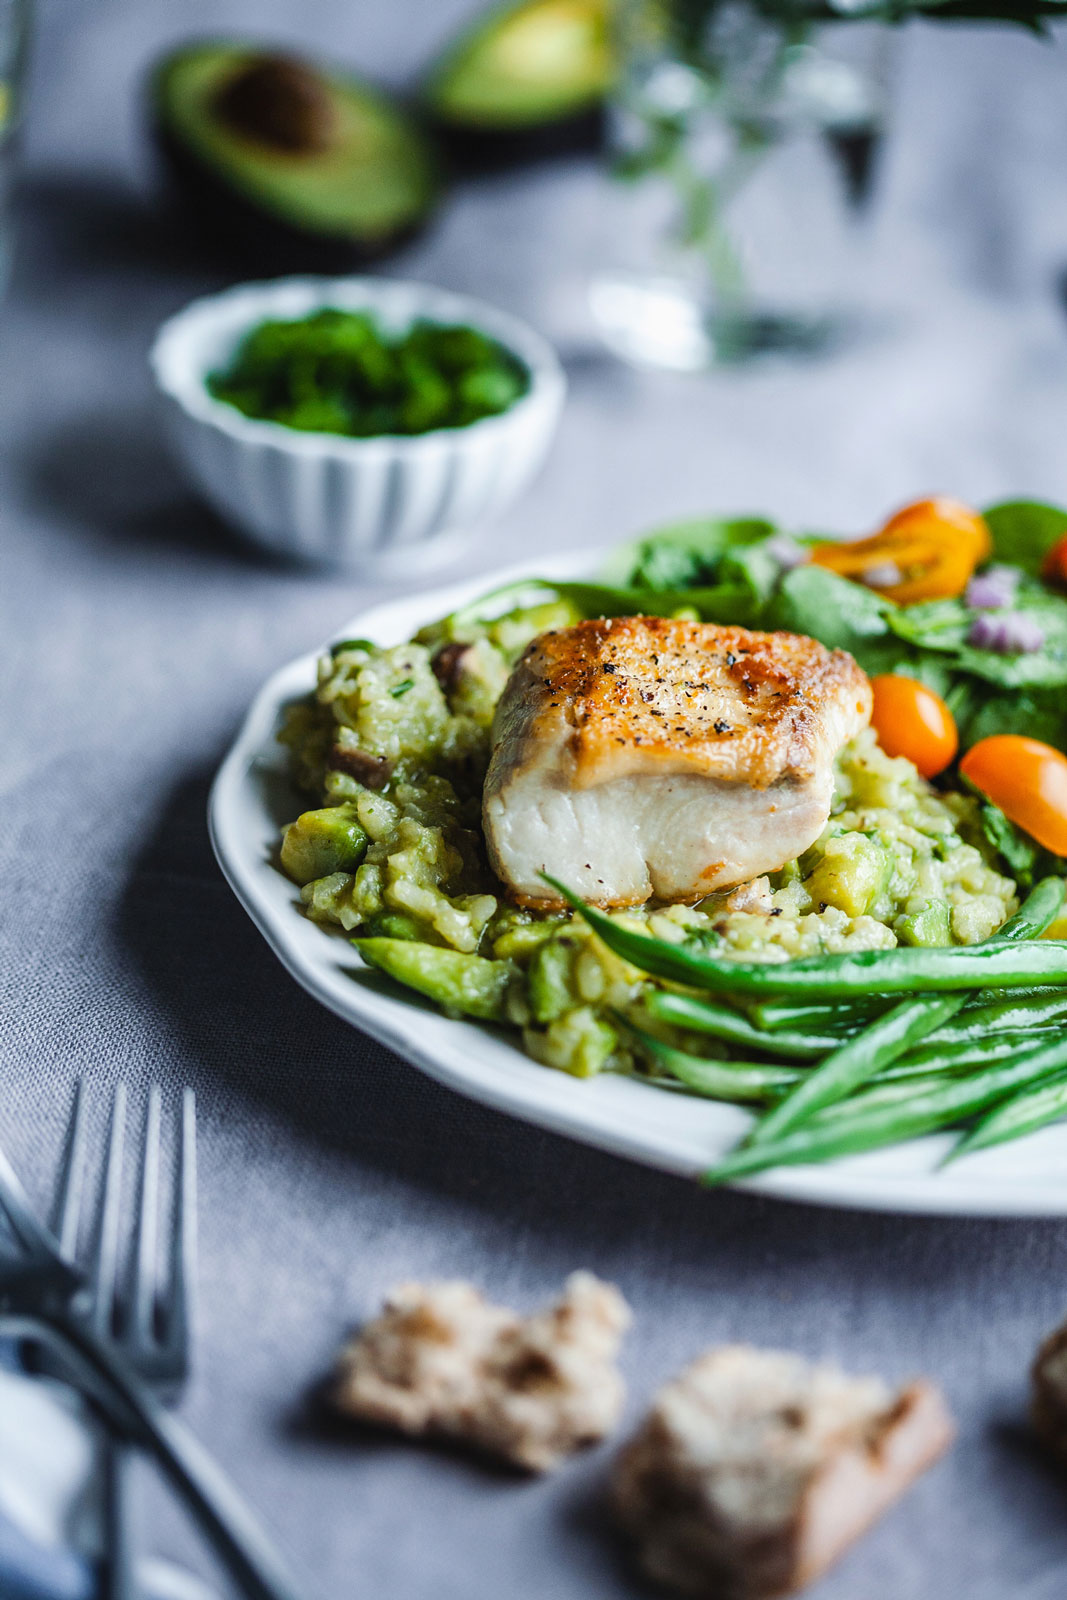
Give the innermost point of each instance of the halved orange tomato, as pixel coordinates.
(1054, 566)
(1027, 780)
(926, 551)
(911, 720)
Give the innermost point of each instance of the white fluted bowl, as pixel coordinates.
(374, 504)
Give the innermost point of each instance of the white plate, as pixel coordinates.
(252, 798)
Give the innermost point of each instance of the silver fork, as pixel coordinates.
(43, 1297)
(145, 1314)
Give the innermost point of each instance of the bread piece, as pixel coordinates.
(755, 1469)
(1048, 1405)
(441, 1360)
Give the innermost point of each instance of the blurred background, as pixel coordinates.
(957, 378)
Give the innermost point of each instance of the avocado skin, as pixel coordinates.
(473, 151)
(243, 232)
(234, 225)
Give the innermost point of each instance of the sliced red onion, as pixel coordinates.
(993, 589)
(786, 551)
(1010, 633)
(883, 575)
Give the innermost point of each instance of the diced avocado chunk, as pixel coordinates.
(931, 925)
(394, 925)
(578, 1042)
(321, 842)
(853, 872)
(473, 985)
(550, 991)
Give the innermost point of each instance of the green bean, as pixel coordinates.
(960, 1055)
(1025, 1006)
(897, 1093)
(845, 1017)
(892, 1035)
(994, 1016)
(854, 1062)
(897, 971)
(719, 1080)
(943, 1104)
(1025, 1112)
(703, 1016)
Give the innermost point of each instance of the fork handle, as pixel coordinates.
(120, 1571)
(240, 1543)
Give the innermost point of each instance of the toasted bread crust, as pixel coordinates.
(753, 1470)
(440, 1360)
(1048, 1398)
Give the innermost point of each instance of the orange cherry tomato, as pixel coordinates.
(1027, 780)
(927, 551)
(1054, 566)
(911, 720)
(942, 517)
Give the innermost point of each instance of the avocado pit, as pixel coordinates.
(280, 102)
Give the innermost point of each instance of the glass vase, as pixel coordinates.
(743, 149)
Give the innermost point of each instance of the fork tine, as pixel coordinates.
(72, 1179)
(183, 1239)
(105, 1260)
(146, 1276)
(31, 1234)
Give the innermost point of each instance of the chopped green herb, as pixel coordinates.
(402, 687)
(340, 372)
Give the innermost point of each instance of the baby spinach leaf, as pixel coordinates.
(722, 602)
(684, 554)
(843, 615)
(1024, 531)
(1019, 853)
(945, 625)
(1022, 856)
(1037, 715)
(753, 566)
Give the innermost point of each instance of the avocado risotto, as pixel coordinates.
(394, 745)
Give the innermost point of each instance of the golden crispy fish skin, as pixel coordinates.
(641, 756)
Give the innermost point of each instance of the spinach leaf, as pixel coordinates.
(1036, 715)
(843, 615)
(721, 602)
(684, 554)
(1019, 853)
(1024, 531)
(1025, 860)
(753, 566)
(944, 625)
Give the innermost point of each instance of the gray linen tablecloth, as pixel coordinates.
(133, 631)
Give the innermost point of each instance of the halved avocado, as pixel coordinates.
(286, 163)
(525, 83)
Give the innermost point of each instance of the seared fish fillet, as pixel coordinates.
(639, 756)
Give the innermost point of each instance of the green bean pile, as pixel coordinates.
(853, 1052)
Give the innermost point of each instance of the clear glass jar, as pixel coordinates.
(742, 154)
